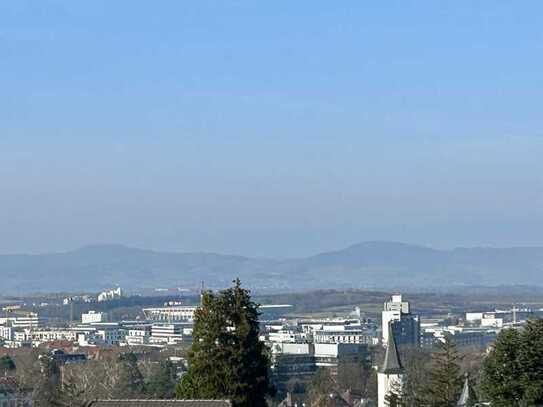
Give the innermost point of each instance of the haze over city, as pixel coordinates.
(271, 203)
(274, 129)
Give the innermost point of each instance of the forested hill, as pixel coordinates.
(366, 265)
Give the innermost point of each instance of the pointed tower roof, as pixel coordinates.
(392, 363)
(467, 396)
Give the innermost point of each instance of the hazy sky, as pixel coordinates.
(272, 128)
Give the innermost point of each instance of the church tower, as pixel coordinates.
(391, 375)
(467, 398)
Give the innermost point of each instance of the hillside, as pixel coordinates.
(367, 265)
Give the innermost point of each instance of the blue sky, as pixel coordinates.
(270, 128)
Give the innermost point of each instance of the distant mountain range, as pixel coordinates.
(386, 265)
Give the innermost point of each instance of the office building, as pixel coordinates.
(397, 318)
(170, 314)
(93, 317)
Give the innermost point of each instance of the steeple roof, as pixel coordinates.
(392, 363)
(467, 397)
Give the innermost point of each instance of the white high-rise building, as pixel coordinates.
(393, 311)
(110, 294)
(406, 326)
(390, 377)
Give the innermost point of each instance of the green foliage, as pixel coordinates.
(513, 371)
(227, 360)
(531, 362)
(501, 371)
(162, 384)
(445, 380)
(6, 364)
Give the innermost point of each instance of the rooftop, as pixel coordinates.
(392, 363)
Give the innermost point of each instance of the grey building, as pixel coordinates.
(406, 330)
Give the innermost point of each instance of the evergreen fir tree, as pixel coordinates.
(445, 383)
(530, 360)
(500, 379)
(227, 360)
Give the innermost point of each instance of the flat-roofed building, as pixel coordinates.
(300, 361)
(140, 335)
(93, 317)
(167, 333)
(50, 335)
(287, 335)
(170, 314)
(343, 336)
(30, 320)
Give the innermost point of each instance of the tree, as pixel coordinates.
(445, 381)
(416, 362)
(350, 376)
(531, 362)
(46, 391)
(6, 365)
(513, 371)
(322, 389)
(162, 384)
(501, 371)
(227, 360)
(371, 391)
(120, 378)
(295, 386)
(130, 380)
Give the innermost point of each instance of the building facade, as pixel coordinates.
(93, 317)
(170, 314)
(398, 319)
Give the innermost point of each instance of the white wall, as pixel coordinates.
(385, 383)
